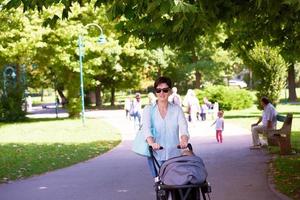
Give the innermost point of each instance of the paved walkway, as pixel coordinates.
(235, 172)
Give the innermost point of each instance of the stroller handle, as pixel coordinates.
(189, 146)
(151, 148)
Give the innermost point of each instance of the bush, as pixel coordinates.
(11, 105)
(270, 69)
(228, 98)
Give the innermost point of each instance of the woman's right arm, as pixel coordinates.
(183, 129)
(146, 128)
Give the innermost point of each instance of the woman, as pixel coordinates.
(168, 122)
(151, 98)
(192, 103)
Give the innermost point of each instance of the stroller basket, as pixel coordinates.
(178, 192)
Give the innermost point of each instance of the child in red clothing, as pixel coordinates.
(219, 126)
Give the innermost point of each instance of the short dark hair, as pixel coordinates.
(161, 80)
(265, 100)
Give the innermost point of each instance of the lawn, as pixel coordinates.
(39, 146)
(286, 168)
(287, 175)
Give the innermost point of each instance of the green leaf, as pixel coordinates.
(51, 21)
(12, 4)
(183, 7)
(98, 3)
(65, 13)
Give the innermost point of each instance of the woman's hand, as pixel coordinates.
(155, 146)
(183, 144)
(184, 141)
(151, 142)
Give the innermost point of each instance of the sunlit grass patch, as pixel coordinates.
(33, 148)
(23, 160)
(57, 131)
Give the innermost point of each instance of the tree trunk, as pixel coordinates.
(197, 72)
(112, 96)
(98, 96)
(198, 79)
(159, 72)
(292, 83)
(42, 94)
(62, 97)
(250, 79)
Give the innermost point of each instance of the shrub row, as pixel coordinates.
(229, 98)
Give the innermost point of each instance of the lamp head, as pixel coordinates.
(102, 39)
(13, 75)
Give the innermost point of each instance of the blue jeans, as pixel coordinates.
(137, 115)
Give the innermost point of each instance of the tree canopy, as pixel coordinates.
(192, 41)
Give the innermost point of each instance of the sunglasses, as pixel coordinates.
(165, 90)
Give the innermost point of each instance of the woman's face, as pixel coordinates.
(162, 92)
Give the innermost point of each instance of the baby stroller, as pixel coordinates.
(181, 178)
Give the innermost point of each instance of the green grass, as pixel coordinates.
(287, 175)
(36, 147)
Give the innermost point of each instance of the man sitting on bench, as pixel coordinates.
(268, 120)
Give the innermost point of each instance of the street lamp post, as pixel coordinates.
(8, 73)
(101, 40)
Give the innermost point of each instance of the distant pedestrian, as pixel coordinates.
(174, 97)
(203, 111)
(207, 102)
(127, 105)
(192, 103)
(29, 103)
(219, 124)
(215, 110)
(151, 98)
(136, 109)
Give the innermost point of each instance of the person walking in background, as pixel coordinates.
(215, 110)
(136, 109)
(219, 126)
(174, 97)
(268, 120)
(151, 98)
(29, 103)
(164, 125)
(203, 111)
(207, 102)
(192, 103)
(127, 105)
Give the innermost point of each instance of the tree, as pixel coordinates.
(179, 23)
(17, 44)
(51, 55)
(271, 69)
(277, 24)
(106, 67)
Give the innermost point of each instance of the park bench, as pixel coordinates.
(282, 137)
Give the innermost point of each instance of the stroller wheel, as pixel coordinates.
(161, 195)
